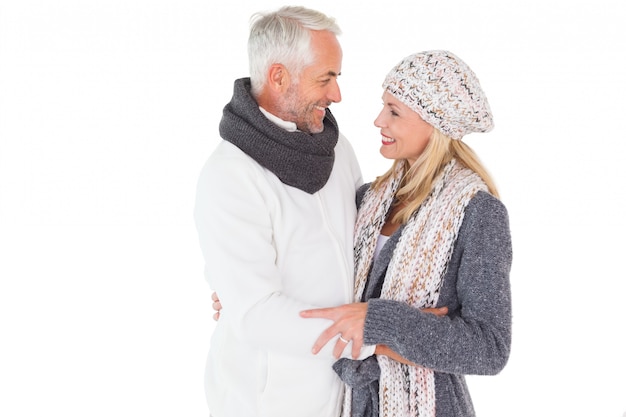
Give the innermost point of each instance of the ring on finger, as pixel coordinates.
(343, 340)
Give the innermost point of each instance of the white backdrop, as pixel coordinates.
(109, 108)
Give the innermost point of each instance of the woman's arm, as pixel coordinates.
(476, 336)
(348, 322)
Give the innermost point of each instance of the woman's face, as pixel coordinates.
(404, 133)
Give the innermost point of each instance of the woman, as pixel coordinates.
(430, 233)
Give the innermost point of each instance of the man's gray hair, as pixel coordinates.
(283, 37)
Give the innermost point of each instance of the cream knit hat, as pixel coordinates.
(443, 90)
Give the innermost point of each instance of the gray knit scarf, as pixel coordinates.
(298, 159)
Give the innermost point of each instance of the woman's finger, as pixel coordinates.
(340, 346)
(319, 313)
(356, 348)
(326, 336)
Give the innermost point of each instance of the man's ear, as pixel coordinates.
(278, 78)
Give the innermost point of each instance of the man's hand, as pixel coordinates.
(439, 311)
(385, 350)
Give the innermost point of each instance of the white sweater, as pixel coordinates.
(272, 251)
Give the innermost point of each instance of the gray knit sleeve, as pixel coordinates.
(360, 193)
(475, 336)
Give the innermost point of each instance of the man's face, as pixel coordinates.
(305, 103)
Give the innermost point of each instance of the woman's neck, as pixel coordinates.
(390, 226)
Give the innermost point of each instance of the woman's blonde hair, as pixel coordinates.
(418, 179)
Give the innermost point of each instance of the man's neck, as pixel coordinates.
(288, 126)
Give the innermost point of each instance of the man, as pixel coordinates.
(275, 212)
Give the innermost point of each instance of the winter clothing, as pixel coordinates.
(299, 159)
(474, 338)
(443, 90)
(275, 244)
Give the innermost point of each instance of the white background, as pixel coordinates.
(109, 108)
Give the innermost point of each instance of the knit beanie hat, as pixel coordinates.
(443, 90)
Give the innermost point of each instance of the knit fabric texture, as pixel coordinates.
(475, 336)
(443, 90)
(298, 159)
(415, 273)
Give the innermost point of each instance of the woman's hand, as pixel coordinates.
(217, 306)
(348, 323)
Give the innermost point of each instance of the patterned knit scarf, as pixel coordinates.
(415, 272)
(298, 159)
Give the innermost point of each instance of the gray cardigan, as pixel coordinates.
(475, 337)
